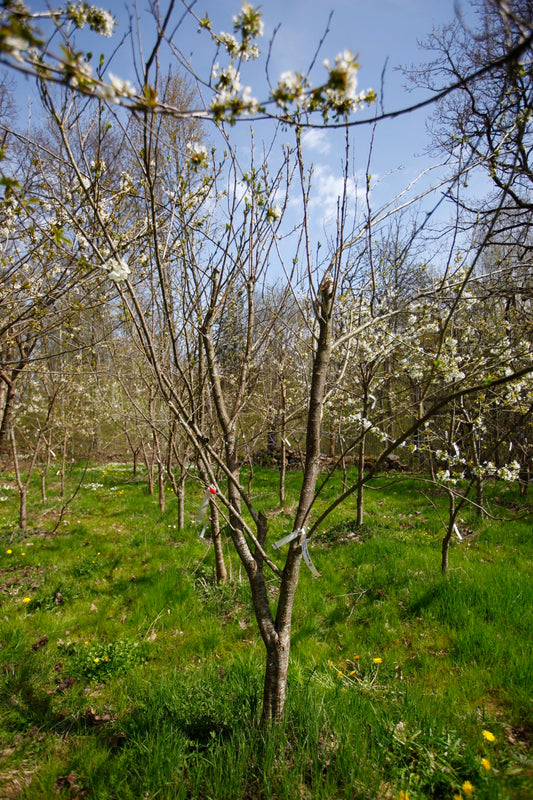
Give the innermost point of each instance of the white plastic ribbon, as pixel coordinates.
(303, 544)
(210, 492)
(286, 540)
(307, 558)
(457, 532)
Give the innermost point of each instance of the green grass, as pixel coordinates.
(126, 672)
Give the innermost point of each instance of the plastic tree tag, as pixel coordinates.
(307, 558)
(303, 544)
(286, 539)
(202, 511)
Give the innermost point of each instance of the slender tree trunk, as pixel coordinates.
(361, 466)
(63, 464)
(21, 485)
(220, 565)
(445, 547)
(161, 486)
(180, 494)
(480, 486)
(360, 488)
(278, 647)
(149, 462)
(283, 442)
(23, 508)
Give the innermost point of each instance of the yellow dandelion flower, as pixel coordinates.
(96, 660)
(485, 763)
(404, 796)
(377, 660)
(489, 736)
(467, 788)
(352, 672)
(458, 797)
(23, 554)
(330, 664)
(9, 552)
(26, 599)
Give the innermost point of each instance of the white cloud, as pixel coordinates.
(317, 140)
(327, 190)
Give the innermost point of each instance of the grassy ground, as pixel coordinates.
(126, 672)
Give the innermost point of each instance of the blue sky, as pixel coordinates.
(385, 34)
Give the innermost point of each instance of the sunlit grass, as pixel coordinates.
(396, 671)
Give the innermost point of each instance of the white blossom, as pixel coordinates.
(118, 269)
(121, 87)
(198, 155)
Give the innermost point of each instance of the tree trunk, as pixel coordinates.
(283, 443)
(275, 685)
(149, 462)
(361, 487)
(180, 494)
(64, 464)
(23, 515)
(480, 496)
(445, 547)
(161, 486)
(220, 566)
(278, 646)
